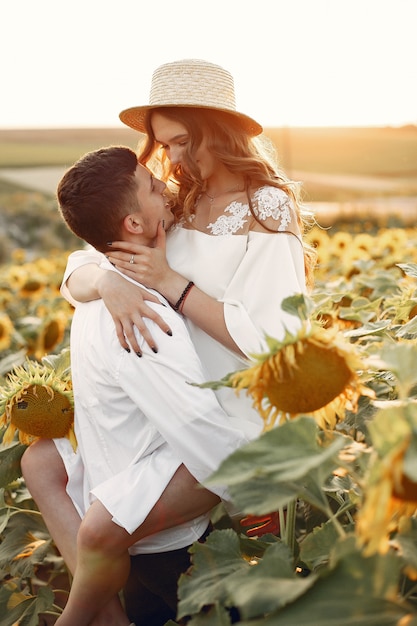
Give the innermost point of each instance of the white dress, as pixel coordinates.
(251, 274)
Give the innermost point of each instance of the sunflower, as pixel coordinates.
(32, 287)
(6, 331)
(364, 241)
(390, 495)
(37, 401)
(16, 276)
(47, 336)
(18, 255)
(340, 243)
(392, 241)
(309, 373)
(319, 239)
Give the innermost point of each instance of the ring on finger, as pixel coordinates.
(132, 259)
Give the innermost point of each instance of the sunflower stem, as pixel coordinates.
(290, 526)
(333, 518)
(282, 522)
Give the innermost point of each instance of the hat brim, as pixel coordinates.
(134, 117)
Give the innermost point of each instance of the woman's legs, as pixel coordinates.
(46, 479)
(103, 560)
(102, 545)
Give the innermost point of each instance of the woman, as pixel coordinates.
(236, 251)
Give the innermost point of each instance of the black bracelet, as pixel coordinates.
(176, 306)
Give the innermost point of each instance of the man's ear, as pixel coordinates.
(133, 224)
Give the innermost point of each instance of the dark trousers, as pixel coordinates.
(151, 590)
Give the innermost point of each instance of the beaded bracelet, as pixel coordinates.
(185, 297)
(182, 297)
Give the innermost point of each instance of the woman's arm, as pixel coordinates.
(270, 270)
(151, 268)
(86, 280)
(83, 282)
(206, 312)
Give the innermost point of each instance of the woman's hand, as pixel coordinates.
(127, 305)
(146, 265)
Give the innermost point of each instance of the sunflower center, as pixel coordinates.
(42, 412)
(407, 490)
(52, 335)
(32, 285)
(317, 377)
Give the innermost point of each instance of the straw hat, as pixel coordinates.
(191, 83)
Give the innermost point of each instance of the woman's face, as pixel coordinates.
(174, 139)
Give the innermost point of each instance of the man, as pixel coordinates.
(145, 435)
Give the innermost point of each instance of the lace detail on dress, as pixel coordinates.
(230, 224)
(275, 203)
(268, 202)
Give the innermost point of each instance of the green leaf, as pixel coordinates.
(7, 589)
(316, 546)
(356, 591)
(380, 284)
(26, 613)
(10, 463)
(410, 269)
(371, 328)
(9, 362)
(213, 561)
(20, 551)
(269, 585)
(299, 305)
(255, 548)
(214, 616)
(406, 538)
(408, 330)
(220, 576)
(5, 514)
(401, 359)
(282, 464)
(60, 363)
(410, 459)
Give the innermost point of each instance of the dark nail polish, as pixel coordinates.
(154, 349)
(127, 350)
(169, 332)
(139, 354)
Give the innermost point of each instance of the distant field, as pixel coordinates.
(335, 164)
(365, 151)
(51, 147)
(386, 152)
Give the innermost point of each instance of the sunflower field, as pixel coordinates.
(337, 462)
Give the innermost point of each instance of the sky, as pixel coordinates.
(294, 62)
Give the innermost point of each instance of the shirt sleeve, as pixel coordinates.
(75, 260)
(271, 270)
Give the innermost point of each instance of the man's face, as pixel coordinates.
(154, 206)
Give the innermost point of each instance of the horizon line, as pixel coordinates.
(266, 127)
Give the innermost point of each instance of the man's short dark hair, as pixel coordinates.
(97, 193)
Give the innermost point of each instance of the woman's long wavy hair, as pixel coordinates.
(253, 158)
